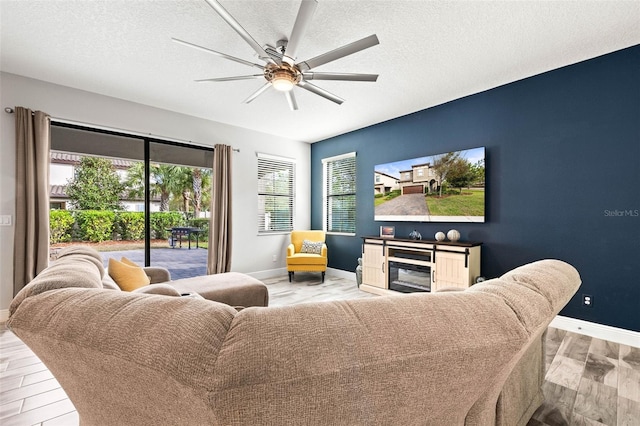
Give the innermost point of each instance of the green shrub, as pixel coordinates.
(60, 226)
(130, 225)
(393, 194)
(95, 225)
(161, 221)
(203, 224)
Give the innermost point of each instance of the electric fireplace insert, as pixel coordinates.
(407, 277)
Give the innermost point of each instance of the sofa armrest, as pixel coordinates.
(291, 250)
(157, 274)
(323, 253)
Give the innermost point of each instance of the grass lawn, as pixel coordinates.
(389, 196)
(469, 203)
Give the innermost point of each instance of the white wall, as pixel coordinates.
(251, 253)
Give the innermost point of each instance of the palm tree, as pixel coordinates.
(191, 185)
(181, 186)
(162, 179)
(201, 180)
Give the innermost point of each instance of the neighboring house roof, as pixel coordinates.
(59, 191)
(384, 174)
(59, 157)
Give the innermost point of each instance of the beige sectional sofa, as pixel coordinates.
(232, 288)
(473, 357)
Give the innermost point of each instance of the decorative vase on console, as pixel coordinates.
(415, 235)
(440, 236)
(453, 235)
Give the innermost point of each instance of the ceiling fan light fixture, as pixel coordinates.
(283, 81)
(282, 77)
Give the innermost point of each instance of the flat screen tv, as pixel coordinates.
(447, 187)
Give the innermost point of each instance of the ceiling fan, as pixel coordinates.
(281, 70)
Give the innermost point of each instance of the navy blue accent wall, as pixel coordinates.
(563, 177)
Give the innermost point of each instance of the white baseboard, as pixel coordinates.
(599, 331)
(272, 273)
(4, 315)
(268, 273)
(347, 275)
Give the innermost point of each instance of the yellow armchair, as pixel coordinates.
(307, 252)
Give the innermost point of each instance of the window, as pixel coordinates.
(276, 183)
(339, 179)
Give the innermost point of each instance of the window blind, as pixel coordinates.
(340, 193)
(276, 183)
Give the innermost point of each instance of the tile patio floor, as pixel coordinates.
(181, 262)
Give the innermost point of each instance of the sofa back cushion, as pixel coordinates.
(77, 270)
(108, 283)
(90, 253)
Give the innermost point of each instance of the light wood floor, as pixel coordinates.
(589, 381)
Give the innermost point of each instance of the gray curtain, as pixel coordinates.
(31, 241)
(219, 255)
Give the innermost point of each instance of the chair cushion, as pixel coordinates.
(306, 259)
(297, 237)
(126, 276)
(311, 247)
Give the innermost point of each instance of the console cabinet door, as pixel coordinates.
(373, 261)
(450, 270)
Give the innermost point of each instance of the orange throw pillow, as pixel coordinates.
(126, 276)
(129, 262)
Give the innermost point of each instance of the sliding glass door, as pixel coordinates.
(180, 177)
(131, 196)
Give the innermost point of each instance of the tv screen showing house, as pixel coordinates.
(447, 187)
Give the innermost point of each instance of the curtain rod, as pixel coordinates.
(10, 110)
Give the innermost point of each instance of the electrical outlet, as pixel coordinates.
(5, 220)
(587, 300)
(275, 258)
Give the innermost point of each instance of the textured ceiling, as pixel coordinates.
(430, 52)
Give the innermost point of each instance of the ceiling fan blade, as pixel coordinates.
(291, 99)
(223, 55)
(238, 77)
(340, 52)
(238, 28)
(305, 13)
(318, 91)
(257, 93)
(341, 76)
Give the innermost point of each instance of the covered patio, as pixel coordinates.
(181, 262)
